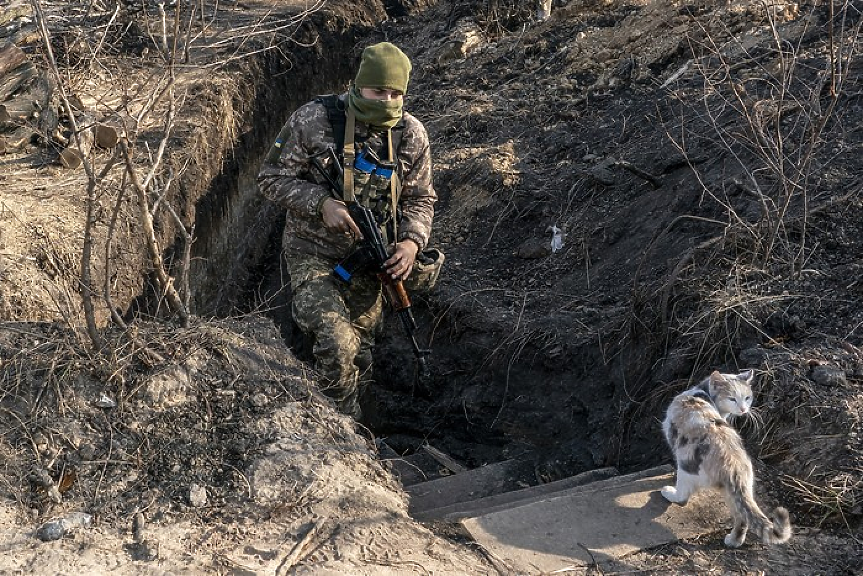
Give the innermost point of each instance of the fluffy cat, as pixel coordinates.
(710, 453)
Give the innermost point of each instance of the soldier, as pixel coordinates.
(366, 121)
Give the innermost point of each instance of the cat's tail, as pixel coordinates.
(780, 530)
(773, 530)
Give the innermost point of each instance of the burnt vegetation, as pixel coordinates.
(699, 165)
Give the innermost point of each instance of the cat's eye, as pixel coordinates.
(748, 398)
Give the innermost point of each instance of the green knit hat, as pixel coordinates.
(384, 66)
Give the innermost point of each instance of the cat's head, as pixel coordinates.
(732, 393)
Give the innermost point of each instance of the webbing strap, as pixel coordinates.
(349, 156)
(393, 187)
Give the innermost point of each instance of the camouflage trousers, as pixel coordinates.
(341, 319)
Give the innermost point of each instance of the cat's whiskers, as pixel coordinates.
(752, 419)
(756, 419)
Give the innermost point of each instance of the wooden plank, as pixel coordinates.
(467, 485)
(513, 498)
(445, 460)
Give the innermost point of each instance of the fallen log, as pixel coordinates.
(14, 80)
(73, 155)
(14, 10)
(11, 57)
(15, 25)
(19, 111)
(29, 113)
(17, 140)
(105, 136)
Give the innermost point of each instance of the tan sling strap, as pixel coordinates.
(349, 157)
(393, 187)
(348, 168)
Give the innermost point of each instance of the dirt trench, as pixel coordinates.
(493, 394)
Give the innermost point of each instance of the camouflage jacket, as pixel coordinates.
(293, 183)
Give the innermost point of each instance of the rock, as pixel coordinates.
(169, 389)
(138, 527)
(828, 376)
(259, 400)
(56, 529)
(784, 325)
(105, 401)
(197, 496)
(602, 173)
(466, 38)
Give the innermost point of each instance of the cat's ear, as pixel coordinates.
(747, 375)
(715, 378)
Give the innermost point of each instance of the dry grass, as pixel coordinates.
(839, 497)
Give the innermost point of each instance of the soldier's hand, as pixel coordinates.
(337, 218)
(401, 263)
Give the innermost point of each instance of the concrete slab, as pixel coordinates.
(594, 525)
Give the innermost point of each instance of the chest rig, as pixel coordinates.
(370, 174)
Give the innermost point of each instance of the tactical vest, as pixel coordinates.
(371, 187)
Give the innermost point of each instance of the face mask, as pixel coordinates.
(378, 114)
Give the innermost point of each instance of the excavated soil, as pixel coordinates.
(699, 163)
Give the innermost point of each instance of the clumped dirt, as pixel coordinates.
(703, 176)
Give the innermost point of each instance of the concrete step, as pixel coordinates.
(495, 502)
(467, 486)
(594, 523)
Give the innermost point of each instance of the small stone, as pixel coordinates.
(259, 400)
(534, 248)
(105, 401)
(829, 376)
(87, 451)
(56, 529)
(40, 441)
(197, 496)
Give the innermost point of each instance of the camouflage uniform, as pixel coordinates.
(340, 318)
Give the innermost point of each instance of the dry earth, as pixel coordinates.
(701, 163)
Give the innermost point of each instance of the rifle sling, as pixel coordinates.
(349, 153)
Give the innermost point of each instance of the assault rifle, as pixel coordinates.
(371, 253)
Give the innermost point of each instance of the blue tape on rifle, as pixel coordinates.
(340, 271)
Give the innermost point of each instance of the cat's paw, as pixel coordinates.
(733, 542)
(670, 494)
